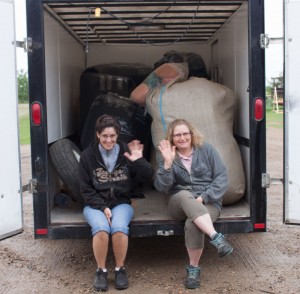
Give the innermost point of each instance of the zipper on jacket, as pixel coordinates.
(182, 166)
(111, 193)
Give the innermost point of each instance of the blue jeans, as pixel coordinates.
(121, 217)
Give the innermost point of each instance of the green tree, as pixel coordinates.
(22, 87)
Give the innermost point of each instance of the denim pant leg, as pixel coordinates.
(121, 217)
(96, 219)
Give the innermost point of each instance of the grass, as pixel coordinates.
(24, 126)
(274, 120)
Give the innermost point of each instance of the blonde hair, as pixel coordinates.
(197, 138)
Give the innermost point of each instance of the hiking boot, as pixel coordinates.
(193, 277)
(121, 280)
(224, 248)
(100, 283)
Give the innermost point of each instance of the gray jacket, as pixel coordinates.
(208, 177)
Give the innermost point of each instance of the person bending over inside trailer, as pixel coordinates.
(160, 76)
(109, 169)
(192, 173)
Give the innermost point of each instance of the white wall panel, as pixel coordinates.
(52, 79)
(64, 65)
(292, 112)
(145, 54)
(233, 66)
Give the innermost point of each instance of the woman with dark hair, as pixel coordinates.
(193, 175)
(109, 171)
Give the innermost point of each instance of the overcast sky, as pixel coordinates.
(273, 27)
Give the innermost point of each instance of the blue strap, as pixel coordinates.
(161, 110)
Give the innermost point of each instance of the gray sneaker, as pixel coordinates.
(100, 282)
(224, 248)
(193, 277)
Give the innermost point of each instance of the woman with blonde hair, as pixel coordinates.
(193, 175)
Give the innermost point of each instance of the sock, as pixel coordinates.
(103, 269)
(117, 268)
(213, 235)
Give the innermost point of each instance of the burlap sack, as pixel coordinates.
(168, 72)
(210, 108)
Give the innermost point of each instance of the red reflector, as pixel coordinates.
(41, 231)
(259, 226)
(258, 109)
(36, 117)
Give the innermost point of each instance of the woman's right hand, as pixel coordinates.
(108, 214)
(168, 153)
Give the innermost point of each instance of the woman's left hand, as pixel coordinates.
(200, 199)
(136, 150)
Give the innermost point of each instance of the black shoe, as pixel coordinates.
(193, 277)
(100, 283)
(121, 280)
(224, 248)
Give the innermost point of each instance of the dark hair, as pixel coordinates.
(195, 62)
(107, 121)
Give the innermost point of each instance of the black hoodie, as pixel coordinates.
(101, 188)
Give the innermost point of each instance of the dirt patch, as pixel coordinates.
(262, 262)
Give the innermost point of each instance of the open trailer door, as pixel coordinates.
(11, 220)
(292, 112)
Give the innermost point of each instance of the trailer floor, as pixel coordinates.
(261, 263)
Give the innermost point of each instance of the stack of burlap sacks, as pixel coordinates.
(209, 107)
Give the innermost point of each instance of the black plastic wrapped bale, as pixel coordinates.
(92, 84)
(195, 62)
(135, 122)
(119, 78)
(136, 71)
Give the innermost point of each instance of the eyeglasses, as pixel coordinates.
(185, 135)
(106, 137)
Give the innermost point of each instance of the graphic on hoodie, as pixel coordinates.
(104, 176)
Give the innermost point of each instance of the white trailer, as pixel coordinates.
(10, 187)
(59, 51)
(292, 112)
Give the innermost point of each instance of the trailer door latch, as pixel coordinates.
(165, 233)
(30, 187)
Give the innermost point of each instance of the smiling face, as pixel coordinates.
(182, 139)
(107, 138)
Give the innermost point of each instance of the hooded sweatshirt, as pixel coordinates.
(101, 188)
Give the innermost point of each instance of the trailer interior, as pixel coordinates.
(81, 34)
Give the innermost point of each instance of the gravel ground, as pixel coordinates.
(262, 262)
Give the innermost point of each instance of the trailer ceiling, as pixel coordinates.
(155, 22)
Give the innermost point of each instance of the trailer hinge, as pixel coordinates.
(267, 181)
(26, 44)
(265, 41)
(30, 187)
